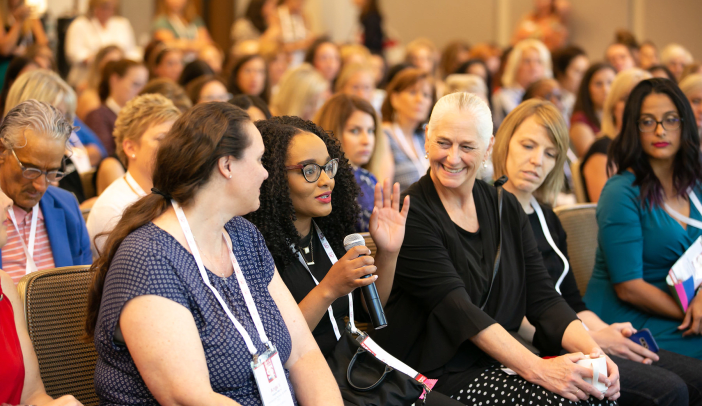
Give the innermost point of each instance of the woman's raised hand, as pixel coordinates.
(387, 222)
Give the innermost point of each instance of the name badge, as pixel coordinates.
(270, 379)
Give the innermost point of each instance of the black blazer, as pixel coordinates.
(431, 314)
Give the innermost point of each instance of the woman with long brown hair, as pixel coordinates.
(163, 300)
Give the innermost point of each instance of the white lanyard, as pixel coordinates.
(547, 234)
(332, 258)
(239, 276)
(412, 154)
(685, 219)
(28, 251)
(134, 185)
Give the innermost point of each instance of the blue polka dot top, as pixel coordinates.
(151, 262)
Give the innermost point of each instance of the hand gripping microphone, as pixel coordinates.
(370, 293)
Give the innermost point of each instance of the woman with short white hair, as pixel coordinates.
(675, 57)
(528, 62)
(469, 270)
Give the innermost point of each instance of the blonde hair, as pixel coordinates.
(45, 86)
(297, 90)
(552, 120)
(348, 50)
(471, 105)
(419, 43)
(691, 83)
(137, 116)
(515, 58)
(672, 50)
(347, 72)
(336, 112)
(621, 87)
(465, 82)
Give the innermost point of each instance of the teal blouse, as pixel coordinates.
(638, 241)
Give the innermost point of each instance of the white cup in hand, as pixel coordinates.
(599, 367)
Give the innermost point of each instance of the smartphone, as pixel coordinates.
(644, 338)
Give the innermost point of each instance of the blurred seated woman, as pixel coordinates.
(546, 89)
(528, 62)
(120, 82)
(405, 109)
(593, 165)
(589, 102)
(354, 123)
(301, 92)
(531, 152)
(88, 97)
(675, 57)
(165, 296)
(648, 215)
(207, 89)
(177, 24)
(165, 62)
(357, 80)
(691, 85)
(139, 129)
(254, 106)
(661, 71)
(324, 55)
(451, 313)
(99, 28)
(20, 382)
(569, 66)
(20, 28)
(250, 77)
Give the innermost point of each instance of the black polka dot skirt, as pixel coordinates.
(494, 387)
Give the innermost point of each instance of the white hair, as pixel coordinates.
(40, 117)
(672, 50)
(469, 105)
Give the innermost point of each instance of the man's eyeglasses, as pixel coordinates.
(33, 173)
(312, 171)
(669, 123)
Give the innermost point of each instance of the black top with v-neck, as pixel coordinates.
(434, 308)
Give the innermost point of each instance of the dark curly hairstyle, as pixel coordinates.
(275, 216)
(626, 152)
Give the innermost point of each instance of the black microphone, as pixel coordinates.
(370, 293)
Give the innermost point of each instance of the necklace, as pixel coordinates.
(309, 250)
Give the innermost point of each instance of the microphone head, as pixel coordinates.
(353, 240)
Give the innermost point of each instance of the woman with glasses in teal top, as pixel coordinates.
(648, 216)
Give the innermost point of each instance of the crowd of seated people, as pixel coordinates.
(210, 191)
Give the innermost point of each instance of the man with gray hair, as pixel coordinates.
(45, 226)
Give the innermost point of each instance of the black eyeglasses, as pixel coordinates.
(312, 171)
(669, 123)
(33, 173)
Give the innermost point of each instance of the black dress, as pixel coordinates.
(434, 308)
(666, 382)
(600, 146)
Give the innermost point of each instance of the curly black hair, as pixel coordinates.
(275, 216)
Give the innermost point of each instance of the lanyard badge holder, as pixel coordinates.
(362, 338)
(267, 368)
(28, 248)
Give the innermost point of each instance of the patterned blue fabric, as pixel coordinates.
(366, 199)
(151, 262)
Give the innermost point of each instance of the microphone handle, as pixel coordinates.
(375, 308)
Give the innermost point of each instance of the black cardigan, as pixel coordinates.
(431, 316)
